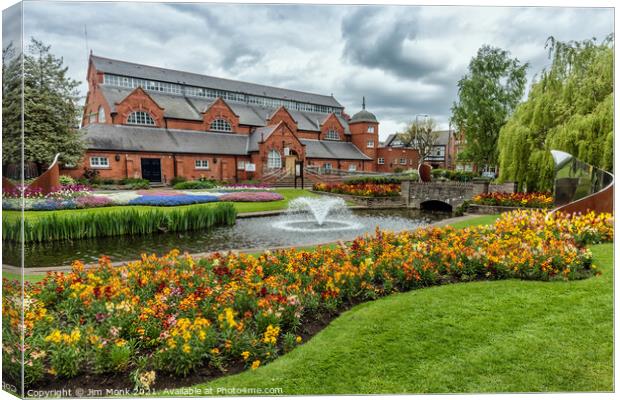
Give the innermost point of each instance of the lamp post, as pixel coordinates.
(417, 143)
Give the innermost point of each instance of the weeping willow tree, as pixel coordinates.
(569, 108)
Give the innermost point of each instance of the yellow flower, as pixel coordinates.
(186, 348)
(298, 339)
(54, 337)
(215, 350)
(255, 364)
(245, 355)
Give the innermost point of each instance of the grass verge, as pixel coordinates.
(492, 336)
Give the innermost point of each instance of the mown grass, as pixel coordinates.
(492, 336)
(289, 194)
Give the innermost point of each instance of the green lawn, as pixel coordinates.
(289, 194)
(501, 336)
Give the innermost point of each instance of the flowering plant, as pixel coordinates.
(251, 196)
(177, 314)
(254, 186)
(360, 189)
(176, 200)
(529, 200)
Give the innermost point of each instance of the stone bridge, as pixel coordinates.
(441, 196)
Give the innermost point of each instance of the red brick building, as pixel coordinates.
(156, 123)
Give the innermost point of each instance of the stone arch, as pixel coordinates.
(436, 205)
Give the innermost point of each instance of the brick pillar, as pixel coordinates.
(405, 187)
(480, 187)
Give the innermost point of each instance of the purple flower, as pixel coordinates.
(251, 196)
(92, 201)
(177, 200)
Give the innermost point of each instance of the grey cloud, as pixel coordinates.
(404, 59)
(372, 42)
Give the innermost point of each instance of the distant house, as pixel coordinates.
(441, 156)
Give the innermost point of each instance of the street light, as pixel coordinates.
(416, 126)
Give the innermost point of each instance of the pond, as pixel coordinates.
(247, 233)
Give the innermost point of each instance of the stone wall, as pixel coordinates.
(370, 202)
(506, 187)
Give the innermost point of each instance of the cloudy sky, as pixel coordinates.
(406, 60)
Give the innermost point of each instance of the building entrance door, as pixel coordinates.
(151, 169)
(289, 164)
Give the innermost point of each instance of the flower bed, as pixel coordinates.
(178, 314)
(360, 189)
(175, 200)
(251, 196)
(79, 196)
(528, 200)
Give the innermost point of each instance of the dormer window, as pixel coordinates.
(332, 135)
(140, 118)
(221, 125)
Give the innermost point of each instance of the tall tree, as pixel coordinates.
(487, 95)
(569, 108)
(49, 105)
(420, 135)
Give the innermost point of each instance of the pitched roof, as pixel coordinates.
(163, 140)
(118, 67)
(332, 149)
(191, 108)
(139, 138)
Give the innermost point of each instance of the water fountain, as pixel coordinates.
(310, 215)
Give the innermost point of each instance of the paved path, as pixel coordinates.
(65, 268)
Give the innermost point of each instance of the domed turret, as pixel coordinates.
(364, 115)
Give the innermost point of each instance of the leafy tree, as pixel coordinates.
(488, 94)
(49, 105)
(420, 135)
(569, 108)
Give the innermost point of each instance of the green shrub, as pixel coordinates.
(118, 221)
(459, 176)
(108, 181)
(66, 180)
(206, 184)
(177, 179)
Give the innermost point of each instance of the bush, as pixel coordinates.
(118, 221)
(379, 180)
(66, 180)
(177, 179)
(459, 176)
(201, 184)
(91, 175)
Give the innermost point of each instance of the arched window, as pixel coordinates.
(221, 125)
(332, 135)
(274, 160)
(101, 115)
(140, 118)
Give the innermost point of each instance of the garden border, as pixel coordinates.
(67, 268)
(483, 209)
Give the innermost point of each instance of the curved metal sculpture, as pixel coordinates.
(581, 187)
(50, 179)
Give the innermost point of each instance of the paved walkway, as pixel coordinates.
(65, 268)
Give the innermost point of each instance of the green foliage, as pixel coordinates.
(384, 179)
(460, 176)
(118, 221)
(488, 94)
(50, 107)
(66, 180)
(569, 108)
(177, 179)
(201, 184)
